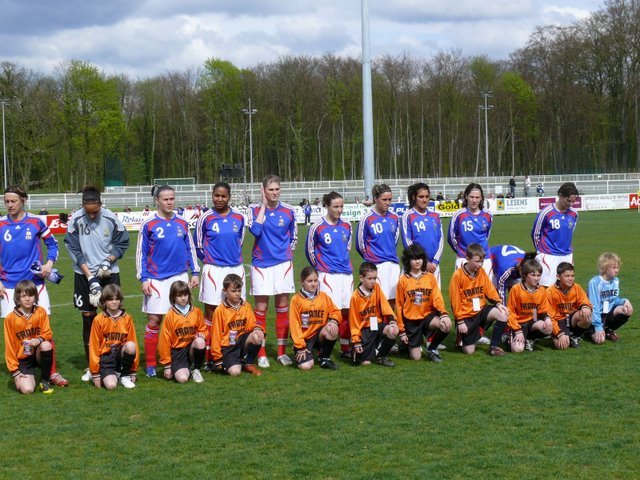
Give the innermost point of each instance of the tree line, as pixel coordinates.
(565, 102)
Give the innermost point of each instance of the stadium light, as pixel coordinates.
(4, 102)
(486, 107)
(251, 112)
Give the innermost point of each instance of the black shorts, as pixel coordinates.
(111, 363)
(81, 290)
(565, 326)
(234, 354)
(313, 342)
(180, 358)
(416, 330)
(28, 365)
(369, 341)
(481, 319)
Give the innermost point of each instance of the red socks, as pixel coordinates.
(345, 332)
(261, 320)
(150, 345)
(282, 329)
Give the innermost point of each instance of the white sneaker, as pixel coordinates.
(284, 360)
(86, 376)
(483, 341)
(196, 376)
(126, 382)
(263, 362)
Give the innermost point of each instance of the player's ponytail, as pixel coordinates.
(329, 197)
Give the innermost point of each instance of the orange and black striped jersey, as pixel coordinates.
(108, 332)
(364, 306)
(178, 331)
(562, 304)
(20, 328)
(523, 303)
(229, 323)
(418, 297)
(464, 288)
(308, 315)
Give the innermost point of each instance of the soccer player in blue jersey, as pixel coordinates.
(164, 253)
(95, 240)
(273, 224)
(21, 235)
(610, 310)
(505, 260)
(378, 232)
(218, 236)
(471, 224)
(328, 249)
(552, 233)
(421, 226)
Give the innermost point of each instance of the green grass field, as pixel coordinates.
(544, 414)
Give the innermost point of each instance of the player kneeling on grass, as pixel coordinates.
(529, 309)
(27, 340)
(570, 308)
(236, 338)
(610, 310)
(469, 290)
(420, 307)
(313, 322)
(113, 346)
(183, 337)
(373, 326)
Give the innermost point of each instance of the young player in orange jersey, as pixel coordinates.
(183, 336)
(469, 290)
(27, 340)
(313, 322)
(420, 307)
(570, 308)
(113, 346)
(236, 338)
(371, 320)
(528, 307)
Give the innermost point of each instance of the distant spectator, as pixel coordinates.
(146, 208)
(316, 201)
(367, 201)
(540, 189)
(126, 210)
(512, 187)
(43, 211)
(440, 197)
(527, 185)
(460, 197)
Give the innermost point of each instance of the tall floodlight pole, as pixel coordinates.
(250, 112)
(367, 108)
(4, 102)
(486, 108)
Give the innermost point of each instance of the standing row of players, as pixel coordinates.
(96, 240)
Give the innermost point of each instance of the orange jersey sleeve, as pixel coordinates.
(463, 288)
(362, 307)
(108, 332)
(563, 304)
(226, 319)
(307, 316)
(523, 303)
(20, 328)
(178, 331)
(416, 298)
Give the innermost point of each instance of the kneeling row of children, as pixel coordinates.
(563, 311)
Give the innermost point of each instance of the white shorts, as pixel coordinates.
(550, 267)
(7, 304)
(339, 287)
(487, 265)
(211, 279)
(158, 302)
(388, 275)
(272, 280)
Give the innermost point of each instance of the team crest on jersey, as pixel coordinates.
(180, 234)
(281, 222)
(571, 224)
(106, 232)
(28, 235)
(235, 227)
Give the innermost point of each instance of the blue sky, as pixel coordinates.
(149, 37)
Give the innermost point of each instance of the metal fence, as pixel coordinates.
(137, 197)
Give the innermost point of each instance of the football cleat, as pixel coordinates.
(483, 341)
(263, 362)
(252, 369)
(284, 360)
(574, 342)
(196, 376)
(86, 376)
(528, 345)
(58, 380)
(496, 351)
(385, 362)
(151, 372)
(434, 356)
(45, 387)
(127, 382)
(611, 336)
(328, 364)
